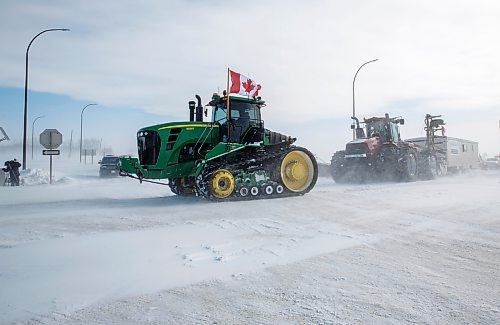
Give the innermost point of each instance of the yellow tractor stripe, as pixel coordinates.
(188, 126)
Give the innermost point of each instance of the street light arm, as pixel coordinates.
(38, 118)
(45, 31)
(360, 69)
(86, 107)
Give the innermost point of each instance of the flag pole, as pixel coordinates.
(228, 111)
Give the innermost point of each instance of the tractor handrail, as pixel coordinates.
(208, 134)
(202, 133)
(204, 140)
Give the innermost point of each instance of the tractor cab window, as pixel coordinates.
(239, 110)
(243, 117)
(379, 129)
(395, 132)
(220, 115)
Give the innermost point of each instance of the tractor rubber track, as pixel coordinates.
(261, 160)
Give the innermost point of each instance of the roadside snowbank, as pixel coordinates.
(37, 176)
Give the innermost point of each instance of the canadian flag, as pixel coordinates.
(243, 85)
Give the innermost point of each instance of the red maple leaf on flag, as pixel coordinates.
(242, 85)
(248, 85)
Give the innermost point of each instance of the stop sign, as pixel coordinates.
(50, 139)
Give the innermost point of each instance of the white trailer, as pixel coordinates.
(459, 154)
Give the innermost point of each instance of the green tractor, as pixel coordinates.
(233, 156)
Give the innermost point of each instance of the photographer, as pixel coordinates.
(12, 167)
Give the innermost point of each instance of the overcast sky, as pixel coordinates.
(151, 57)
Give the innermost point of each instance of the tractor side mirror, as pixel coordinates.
(99, 162)
(353, 126)
(360, 133)
(402, 121)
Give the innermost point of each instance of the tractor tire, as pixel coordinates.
(178, 187)
(338, 175)
(409, 167)
(340, 179)
(298, 170)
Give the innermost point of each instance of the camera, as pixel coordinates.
(7, 165)
(11, 167)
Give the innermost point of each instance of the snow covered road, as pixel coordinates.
(91, 251)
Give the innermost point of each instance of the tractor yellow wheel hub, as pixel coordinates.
(297, 171)
(222, 184)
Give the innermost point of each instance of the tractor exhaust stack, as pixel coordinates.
(191, 110)
(199, 110)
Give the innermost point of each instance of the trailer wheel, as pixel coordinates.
(442, 168)
(430, 170)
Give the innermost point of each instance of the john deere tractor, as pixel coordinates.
(232, 156)
(381, 154)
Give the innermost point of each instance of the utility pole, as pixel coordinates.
(70, 143)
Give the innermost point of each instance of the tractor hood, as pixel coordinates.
(363, 147)
(166, 140)
(163, 149)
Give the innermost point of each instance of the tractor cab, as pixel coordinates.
(243, 124)
(384, 127)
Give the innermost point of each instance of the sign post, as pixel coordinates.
(50, 139)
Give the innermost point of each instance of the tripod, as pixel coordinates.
(6, 182)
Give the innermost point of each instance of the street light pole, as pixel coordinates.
(81, 129)
(26, 90)
(353, 101)
(33, 131)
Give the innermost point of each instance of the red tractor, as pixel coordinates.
(379, 153)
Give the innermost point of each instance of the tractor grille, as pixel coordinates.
(356, 148)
